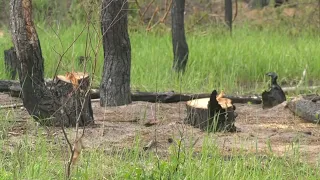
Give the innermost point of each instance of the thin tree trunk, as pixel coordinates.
(180, 46)
(45, 106)
(228, 13)
(115, 82)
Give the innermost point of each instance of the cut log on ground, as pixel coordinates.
(11, 62)
(306, 109)
(211, 114)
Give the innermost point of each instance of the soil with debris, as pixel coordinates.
(159, 125)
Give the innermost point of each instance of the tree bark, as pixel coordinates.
(43, 104)
(306, 108)
(11, 62)
(115, 82)
(180, 46)
(228, 13)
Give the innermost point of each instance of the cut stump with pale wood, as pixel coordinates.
(73, 95)
(212, 114)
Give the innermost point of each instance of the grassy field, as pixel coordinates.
(235, 64)
(35, 155)
(217, 60)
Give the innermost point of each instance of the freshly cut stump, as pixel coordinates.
(73, 95)
(211, 114)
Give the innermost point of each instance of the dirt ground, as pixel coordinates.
(117, 127)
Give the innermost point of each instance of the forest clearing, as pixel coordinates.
(133, 99)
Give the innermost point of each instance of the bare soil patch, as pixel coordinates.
(117, 127)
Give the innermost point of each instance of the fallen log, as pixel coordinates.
(162, 97)
(6, 84)
(212, 114)
(299, 89)
(305, 108)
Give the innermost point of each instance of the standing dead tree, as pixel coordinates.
(115, 82)
(228, 13)
(180, 46)
(67, 103)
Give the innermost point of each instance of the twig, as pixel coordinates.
(166, 13)
(11, 106)
(236, 13)
(149, 145)
(148, 6)
(162, 20)
(302, 78)
(152, 17)
(139, 11)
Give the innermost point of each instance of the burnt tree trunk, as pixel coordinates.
(115, 82)
(228, 13)
(43, 104)
(11, 62)
(180, 46)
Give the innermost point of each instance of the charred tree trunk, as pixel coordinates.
(115, 82)
(43, 104)
(228, 13)
(180, 46)
(11, 62)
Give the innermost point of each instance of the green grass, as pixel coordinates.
(37, 156)
(217, 60)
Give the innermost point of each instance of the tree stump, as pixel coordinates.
(211, 114)
(73, 96)
(11, 62)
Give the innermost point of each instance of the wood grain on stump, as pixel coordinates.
(211, 114)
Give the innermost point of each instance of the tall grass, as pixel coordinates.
(234, 63)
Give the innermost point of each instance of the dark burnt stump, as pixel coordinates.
(11, 62)
(73, 97)
(212, 114)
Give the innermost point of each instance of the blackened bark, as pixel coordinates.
(228, 13)
(11, 62)
(41, 103)
(115, 82)
(180, 46)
